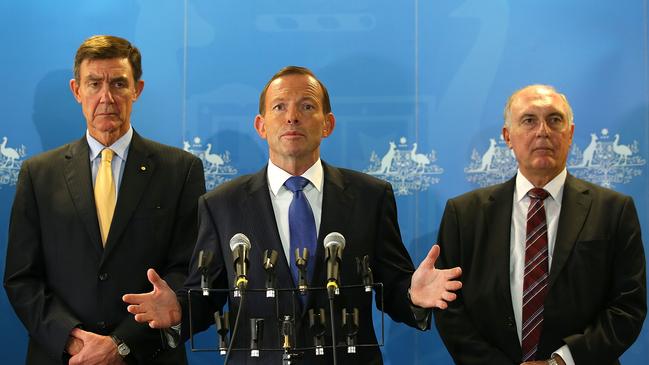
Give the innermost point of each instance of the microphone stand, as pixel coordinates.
(222, 328)
(269, 262)
(301, 262)
(317, 324)
(350, 325)
(256, 335)
(364, 270)
(204, 260)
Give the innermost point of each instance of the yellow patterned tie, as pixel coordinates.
(105, 193)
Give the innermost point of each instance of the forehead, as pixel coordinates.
(536, 100)
(295, 85)
(113, 67)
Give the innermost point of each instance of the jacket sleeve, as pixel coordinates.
(45, 316)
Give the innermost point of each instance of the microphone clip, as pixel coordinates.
(269, 262)
(364, 270)
(301, 261)
(204, 261)
(350, 326)
(222, 328)
(317, 325)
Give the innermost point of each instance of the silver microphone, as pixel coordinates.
(240, 246)
(334, 244)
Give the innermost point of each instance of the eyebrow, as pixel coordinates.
(99, 78)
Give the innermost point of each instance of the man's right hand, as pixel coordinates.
(159, 307)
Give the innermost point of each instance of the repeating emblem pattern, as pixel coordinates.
(405, 168)
(606, 161)
(216, 166)
(494, 166)
(10, 161)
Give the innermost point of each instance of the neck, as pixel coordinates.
(107, 138)
(539, 180)
(295, 167)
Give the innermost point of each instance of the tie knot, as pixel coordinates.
(538, 193)
(296, 183)
(107, 155)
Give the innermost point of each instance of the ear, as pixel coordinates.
(139, 86)
(74, 87)
(260, 126)
(329, 125)
(507, 137)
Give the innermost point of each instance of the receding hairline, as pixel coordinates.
(549, 91)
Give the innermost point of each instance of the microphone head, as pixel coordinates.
(239, 239)
(334, 239)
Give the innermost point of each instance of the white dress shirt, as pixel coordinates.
(552, 206)
(281, 198)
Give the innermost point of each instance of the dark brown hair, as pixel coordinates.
(99, 47)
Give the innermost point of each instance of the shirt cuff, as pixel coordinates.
(172, 335)
(421, 315)
(565, 354)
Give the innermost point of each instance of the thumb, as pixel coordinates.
(432, 256)
(155, 279)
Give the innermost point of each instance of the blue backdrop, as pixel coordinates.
(417, 86)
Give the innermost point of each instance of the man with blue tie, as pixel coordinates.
(553, 266)
(294, 202)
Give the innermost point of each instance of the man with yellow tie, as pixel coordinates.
(91, 216)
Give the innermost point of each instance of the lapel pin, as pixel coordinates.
(142, 168)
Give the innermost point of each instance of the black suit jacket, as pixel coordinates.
(596, 300)
(58, 275)
(359, 206)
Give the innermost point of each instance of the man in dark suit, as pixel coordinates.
(294, 116)
(553, 266)
(73, 251)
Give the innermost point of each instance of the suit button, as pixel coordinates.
(103, 276)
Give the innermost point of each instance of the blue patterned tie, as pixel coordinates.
(301, 224)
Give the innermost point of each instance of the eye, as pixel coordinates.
(120, 84)
(93, 84)
(308, 106)
(527, 121)
(279, 107)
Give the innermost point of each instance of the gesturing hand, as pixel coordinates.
(431, 287)
(159, 307)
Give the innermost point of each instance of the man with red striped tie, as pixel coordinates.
(553, 266)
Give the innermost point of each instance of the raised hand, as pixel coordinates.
(159, 307)
(431, 287)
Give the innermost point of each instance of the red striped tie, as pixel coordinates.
(535, 277)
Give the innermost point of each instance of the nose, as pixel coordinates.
(293, 114)
(543, 128)
(106, 96)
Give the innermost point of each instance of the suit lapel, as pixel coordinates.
(337, 203)
(137, 173)
(260, 217)
(78, 178)
(498, 215)
(575, 205)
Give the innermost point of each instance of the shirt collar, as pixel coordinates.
(120, 146)
(277, 176)
(554, 187)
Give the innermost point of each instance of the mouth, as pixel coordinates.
(292, 134)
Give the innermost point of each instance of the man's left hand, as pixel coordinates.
(431, 287)
(97, 350)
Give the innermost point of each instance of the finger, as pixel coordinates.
(441, 304)
(453, 273)
(143, 318)
(449, 297)
(453, 285)
(78, 333)
(135, 298)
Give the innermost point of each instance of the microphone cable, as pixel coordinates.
(236, 327)
(330, 294)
